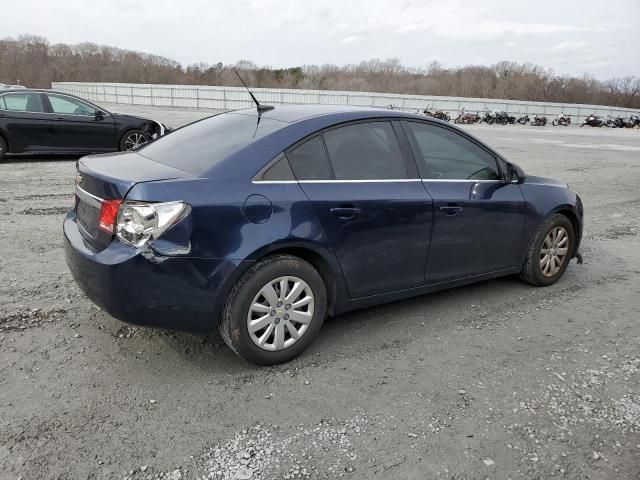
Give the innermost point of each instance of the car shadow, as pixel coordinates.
(40, 158)
(351, 334)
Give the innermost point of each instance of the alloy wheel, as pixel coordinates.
(134, 141)
(554, 251)
(280, 313)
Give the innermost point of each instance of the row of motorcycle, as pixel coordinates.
(496, 117)
(504, 118)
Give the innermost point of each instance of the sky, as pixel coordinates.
(571, 37)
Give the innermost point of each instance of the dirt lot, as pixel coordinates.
(496, 380)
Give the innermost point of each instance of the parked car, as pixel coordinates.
(44, 121)
(261, 225)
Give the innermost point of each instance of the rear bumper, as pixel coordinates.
(143, 288)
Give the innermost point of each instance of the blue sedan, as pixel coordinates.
(263, 223)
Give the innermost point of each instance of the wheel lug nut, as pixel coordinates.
(287, 306)
(277, 321)
(279, 304)
(286, 316)
(273, 312)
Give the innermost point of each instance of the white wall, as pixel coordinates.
(230, 98)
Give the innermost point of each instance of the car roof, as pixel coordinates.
(296, 113)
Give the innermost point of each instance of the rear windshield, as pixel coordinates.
(197, 147)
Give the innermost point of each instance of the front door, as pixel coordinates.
(375, 212)
(479, 219)
(79, 127)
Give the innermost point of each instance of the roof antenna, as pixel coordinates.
(261, 108)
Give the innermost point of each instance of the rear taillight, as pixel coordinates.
(109, 215)
(139, 223)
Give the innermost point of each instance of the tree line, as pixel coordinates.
(34, 62)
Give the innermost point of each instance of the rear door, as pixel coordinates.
(79, 126)
(479, 218)
(374, 209)
(26, 122)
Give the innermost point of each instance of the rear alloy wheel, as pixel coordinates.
(3, 149)
(275, 310)
(133, 139)
(550, 252)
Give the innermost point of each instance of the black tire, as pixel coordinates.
(125, 144)
(233, 324)
(531, 271)
(554, 123)
(3, 149)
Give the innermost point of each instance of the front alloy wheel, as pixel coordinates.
(135, 140)
(554, 252)
(549, 251)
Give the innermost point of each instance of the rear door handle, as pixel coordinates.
(345, 212)
(59, 119)
(451, 209)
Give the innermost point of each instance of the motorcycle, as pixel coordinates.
(539, 121)
(619, 122)
(593, 121)
(466, 118)
(633, 122)
(523, 119)
(562, 120)
(439, 114)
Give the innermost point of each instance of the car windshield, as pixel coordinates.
(199, 146)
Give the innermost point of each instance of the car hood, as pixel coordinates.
(552, 182)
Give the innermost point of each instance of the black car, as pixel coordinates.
(44, 121)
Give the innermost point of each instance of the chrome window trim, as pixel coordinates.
(399, 180)
(460, 180)
(88, 197)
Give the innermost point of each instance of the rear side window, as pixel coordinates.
(445, 154)
(309, 161)
(23, 102)
(365, 151)
(279, 170)
(199, 146)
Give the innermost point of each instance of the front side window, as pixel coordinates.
(23, 102)
(70, 106)
(365, 151)
(445, 154)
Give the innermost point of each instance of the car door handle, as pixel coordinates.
(345, 212)
(59, 119)
(451, 209)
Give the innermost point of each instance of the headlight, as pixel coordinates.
(139, 223)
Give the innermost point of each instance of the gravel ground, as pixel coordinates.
(495, 380)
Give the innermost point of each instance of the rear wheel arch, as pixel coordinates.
(317, 261)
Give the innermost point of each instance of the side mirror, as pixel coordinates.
(99, 115)
(514, 173)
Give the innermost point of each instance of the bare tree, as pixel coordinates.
(32, 61)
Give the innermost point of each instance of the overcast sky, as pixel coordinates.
(570, 36)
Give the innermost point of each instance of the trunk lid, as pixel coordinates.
(102, 179)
